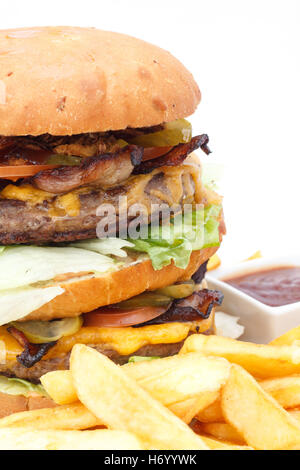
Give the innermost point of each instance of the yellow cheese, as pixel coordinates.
(69, 203)
(13, 348)
(26, 193)
(123, 340)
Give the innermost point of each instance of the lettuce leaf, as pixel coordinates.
(189, 232)
(17, 303)
(105, 246)
(142, 358)
(24, 265)
(19, 387)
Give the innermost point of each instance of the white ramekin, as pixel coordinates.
(262, 322)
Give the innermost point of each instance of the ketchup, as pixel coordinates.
(274, 287)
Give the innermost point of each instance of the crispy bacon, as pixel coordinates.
(175, 156)
(103, 170)
(197, 306)
(32, 353)
(198, 276)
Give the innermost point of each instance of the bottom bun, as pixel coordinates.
(87, 294)
(10, 404)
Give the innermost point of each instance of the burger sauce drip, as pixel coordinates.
(274, 287)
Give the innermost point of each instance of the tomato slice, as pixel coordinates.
(154, 152)
(115, 317)
(21, 171)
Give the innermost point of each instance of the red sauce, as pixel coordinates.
(274, 287)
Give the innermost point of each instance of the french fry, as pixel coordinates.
(213, 413)
(186, 410)
(65, 417)
(295, 414)
(120, 403)
(215, 444)
(59, 386)
(222, 431)
(213, 263)
(285, 390)
(177, 378)
(263, 423)
(262, 361)
(169, 380)
(102, 439)
(255, 255)
(291, 337)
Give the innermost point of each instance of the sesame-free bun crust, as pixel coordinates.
(69, 80)
(87, 294)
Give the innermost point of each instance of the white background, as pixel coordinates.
(245, 56)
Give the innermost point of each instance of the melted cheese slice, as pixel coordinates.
(123, 340)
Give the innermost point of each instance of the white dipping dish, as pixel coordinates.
(262, 322)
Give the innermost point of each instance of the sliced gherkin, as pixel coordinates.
(63, 160)
(174, 133)
(178, 291)
(147, 299)
(39, 332)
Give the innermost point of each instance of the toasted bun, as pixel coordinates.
(87, 294)
(68, 80)
(16, 403)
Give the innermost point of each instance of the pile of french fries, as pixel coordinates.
(216, 394)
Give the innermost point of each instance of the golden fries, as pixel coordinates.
(67, 417)
(59, 386)
(255, 255)
(178, 378)
(213, 413)
(215, 444)
(213, 263)
(147, 405)
(262, 361)
(102, 439)
(223, 431)
(186, 410)
(285, 390)
(120, 403)
(169, 379)
(262, 422)
(291, 337)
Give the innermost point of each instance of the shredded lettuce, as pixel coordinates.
(24, 265)
(194, 231)
(142, 358)
(17, 303)
(105, 246)
(19, 387)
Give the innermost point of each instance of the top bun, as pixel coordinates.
(68, 80)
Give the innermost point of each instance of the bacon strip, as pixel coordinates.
(176, 155)
(197, 306)
(32, 353)
(103, 170)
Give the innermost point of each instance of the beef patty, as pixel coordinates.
(30, 217)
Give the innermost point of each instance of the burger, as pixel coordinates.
(106, 221)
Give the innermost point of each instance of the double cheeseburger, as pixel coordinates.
(92, 126)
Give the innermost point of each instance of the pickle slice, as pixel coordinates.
(39, 332)
(63, 160)
(147, 299)
(174, 133)
(178, 291)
